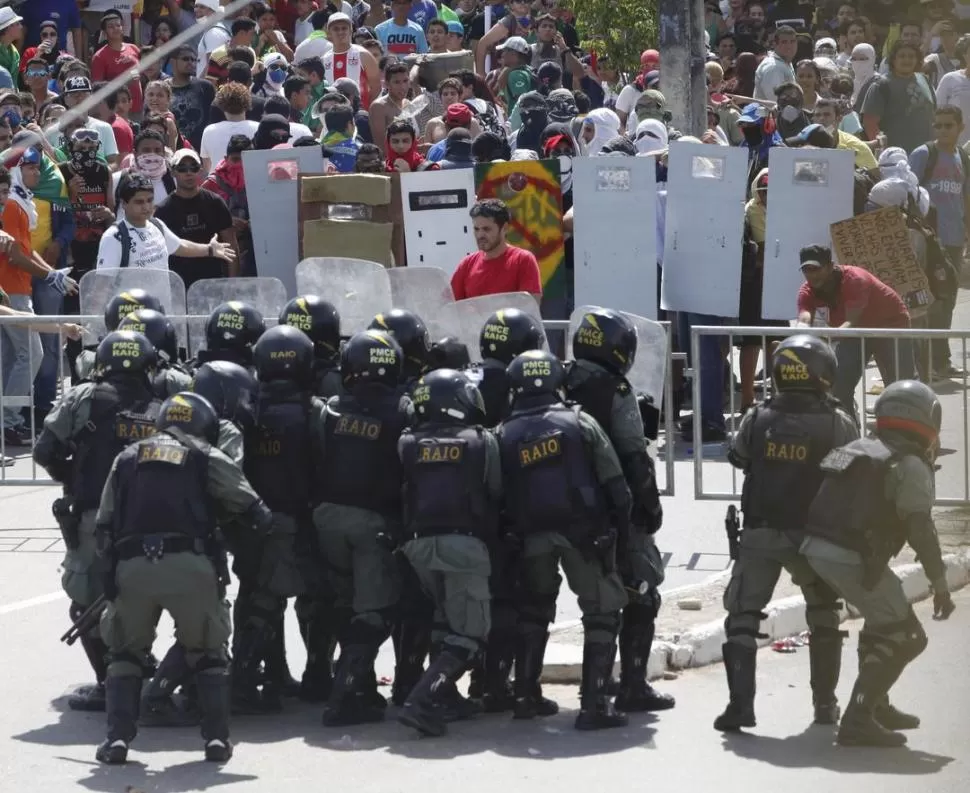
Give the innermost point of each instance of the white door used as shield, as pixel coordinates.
(615, 233)
(357, 288)
(437, 227)
(271, 185)
(426, 291)
(808, 190)
(704, 229)
(266, 295)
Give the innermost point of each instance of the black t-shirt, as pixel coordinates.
(195, 219)
(192, 108)
(88, 231)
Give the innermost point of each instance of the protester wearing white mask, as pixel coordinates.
(863, 65)
(275, 70)
(651, 137)
(599, 126)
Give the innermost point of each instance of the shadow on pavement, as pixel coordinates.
(195, 775)
(816, 748)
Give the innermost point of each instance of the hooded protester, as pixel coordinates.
(534, 111)
(273, 129)
(651, 137)
(863, 64)
(760, 135)
(599, 127)
(619, 146)
(274, 75)
(562, 106)
(521, 155)
(557, 142)
(490, 147)
(792, 118)
(826, 48)
(458, 150)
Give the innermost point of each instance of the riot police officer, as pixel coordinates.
(358, 514)
(170, 378)
(779, 446)
(82, 435)
(452, 487)
(319, 320)
(449, 353)
(277, 462)
(504, 335)
(157, 528)
(566, 497)
(118, 307)
(231, 390)
(604, 348)
(230, 333)
(410, 332)
(877, 496)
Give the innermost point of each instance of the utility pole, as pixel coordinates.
(682, 56)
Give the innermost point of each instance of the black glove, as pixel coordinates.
(942, 605)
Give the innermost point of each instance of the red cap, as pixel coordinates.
(458, 115)
(649, 59)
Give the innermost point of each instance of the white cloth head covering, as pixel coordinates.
(863, 66)
(606, 124)
(826, 42)
(524, 154)
(896, 191)
(651, 136)
(23, 197)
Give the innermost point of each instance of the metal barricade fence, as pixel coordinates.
(910, 356)
(38, 476)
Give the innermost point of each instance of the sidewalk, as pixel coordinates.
(690, 628)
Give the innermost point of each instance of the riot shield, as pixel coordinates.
(97, 287)
(426, 291)
(266, 295)
(469, 315)
(357, 288)
(649, 370)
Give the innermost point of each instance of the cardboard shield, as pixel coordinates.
(271, 183)
(704, 229)
(358, 289)
(97, 287)
(469, 315)
(649, 371)
(808, 191)
(615, 233)
(437, 227)
(427, 292)
(266, 295)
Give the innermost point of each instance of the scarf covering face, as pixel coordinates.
(862, 69)
(606, 126)
(23, 197)
(273, 129)
(534, 111)
(412, 157)
(651, 136)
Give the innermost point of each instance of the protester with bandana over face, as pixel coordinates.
(402, 148)
(490, 147)
(599, 127)
(651, 137)
(275, 73)
(791, 114)
(863, 65)
(534, 112)
(228, 182)
(273, 130)
(151, 163)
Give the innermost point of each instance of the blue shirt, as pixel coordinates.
(6, 81)
(949, 188)
(401, 40)
(422, 12)
(64, 12)
(437, 152)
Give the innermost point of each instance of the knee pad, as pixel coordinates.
(641, 613)
(75, 611)
(916, 639)
(604, 623)
(212, 665)
(745, 623)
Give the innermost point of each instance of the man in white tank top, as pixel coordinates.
(350, 60)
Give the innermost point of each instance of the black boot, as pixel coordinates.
(421, 709)
(214, 702)
(250, 642)
(497, 693)
(158, 708)
(321, 643)
(877, 673)
(123, 695)
(596, 711)
(740, 664)
(92, 698)
(530, 651)
(346, 705)
(892, 718)
(276, 680)
(412, 642)
(825, 662)
(636, 639)
(452, 706)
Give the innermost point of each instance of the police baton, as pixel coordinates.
(85, 621)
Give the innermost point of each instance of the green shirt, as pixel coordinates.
(520, 81)
(10, 60)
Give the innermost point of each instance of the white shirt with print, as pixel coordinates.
(150, 246)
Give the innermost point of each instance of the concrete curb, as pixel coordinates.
(701, 645)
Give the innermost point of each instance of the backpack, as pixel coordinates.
(124, 237)
(934, 158)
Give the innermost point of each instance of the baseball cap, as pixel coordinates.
(273, 58)
(456, 27)
(339, 17)
(753, 113)
(814, 256)
(182, 154)
(77, 84)
(516, 44)
(652, 78)
(212, 5)
(458, 115)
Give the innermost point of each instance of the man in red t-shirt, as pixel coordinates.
(117, 57)
(851, 297)
(497, 267)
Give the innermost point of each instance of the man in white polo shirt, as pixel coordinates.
(141, 240)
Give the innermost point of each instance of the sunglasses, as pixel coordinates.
(193, 168)
(37, 73)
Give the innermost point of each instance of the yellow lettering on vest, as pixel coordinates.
(175, 455)
(786, 451)
(440, 453)
(269, 448)
(537, 451)
(358, 427)
(770, 450)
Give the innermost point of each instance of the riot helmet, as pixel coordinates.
(233, 326)
(371, 357)
(410, 332)
(536, 372)
(606, 337)
(449, 353)
(804, 363)
(191, 413)
(318, 319)
(284, 353)
(124, 352)
(449, 397)
(508, 333)
(911, 407)
(158, 328)
(230, 388)
(125, 302)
